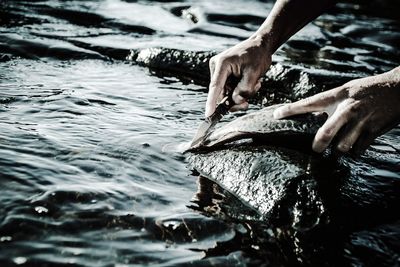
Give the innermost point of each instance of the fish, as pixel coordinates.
(261, 125)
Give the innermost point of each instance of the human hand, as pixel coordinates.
(248, 60)
(361, 110)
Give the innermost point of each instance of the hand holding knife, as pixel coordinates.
(222, 109)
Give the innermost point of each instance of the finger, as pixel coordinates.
(246, 88)
(212, 67)
(245, 104)
(330, 128)
(217, 83)
(346, 143)
(242, 106)
(351, 137)
(228, 87)
(363, 142)
(318, 102)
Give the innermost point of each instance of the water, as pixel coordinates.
(85, 176)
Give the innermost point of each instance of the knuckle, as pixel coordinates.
(217, 59)
(325, 135)
(223, 59)
(354, 108)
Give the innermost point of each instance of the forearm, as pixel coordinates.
(286, 18)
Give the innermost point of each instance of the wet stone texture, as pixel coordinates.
(307, 198)
(93, 92)
(282, 82)
(302, 194)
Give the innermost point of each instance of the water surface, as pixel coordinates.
(85, 180)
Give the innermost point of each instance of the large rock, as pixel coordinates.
(282, 83)
(307, 204)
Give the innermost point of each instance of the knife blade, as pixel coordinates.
(222, 109)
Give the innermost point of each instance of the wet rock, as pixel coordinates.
(189, 64)
(313, 203)
(282, 82)
(261, 176)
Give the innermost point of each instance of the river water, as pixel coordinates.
(85, 176)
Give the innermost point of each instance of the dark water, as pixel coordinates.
(85, 180)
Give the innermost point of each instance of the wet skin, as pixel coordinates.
(359, 111)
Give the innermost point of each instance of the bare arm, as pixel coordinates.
(359, 111)
(251, 58)
(287, 17)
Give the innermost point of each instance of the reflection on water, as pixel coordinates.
(84, 177)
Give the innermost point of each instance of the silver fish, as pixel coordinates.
(261, 125)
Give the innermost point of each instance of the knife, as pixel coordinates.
(222, 109)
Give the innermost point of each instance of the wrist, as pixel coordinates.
(264, 39)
